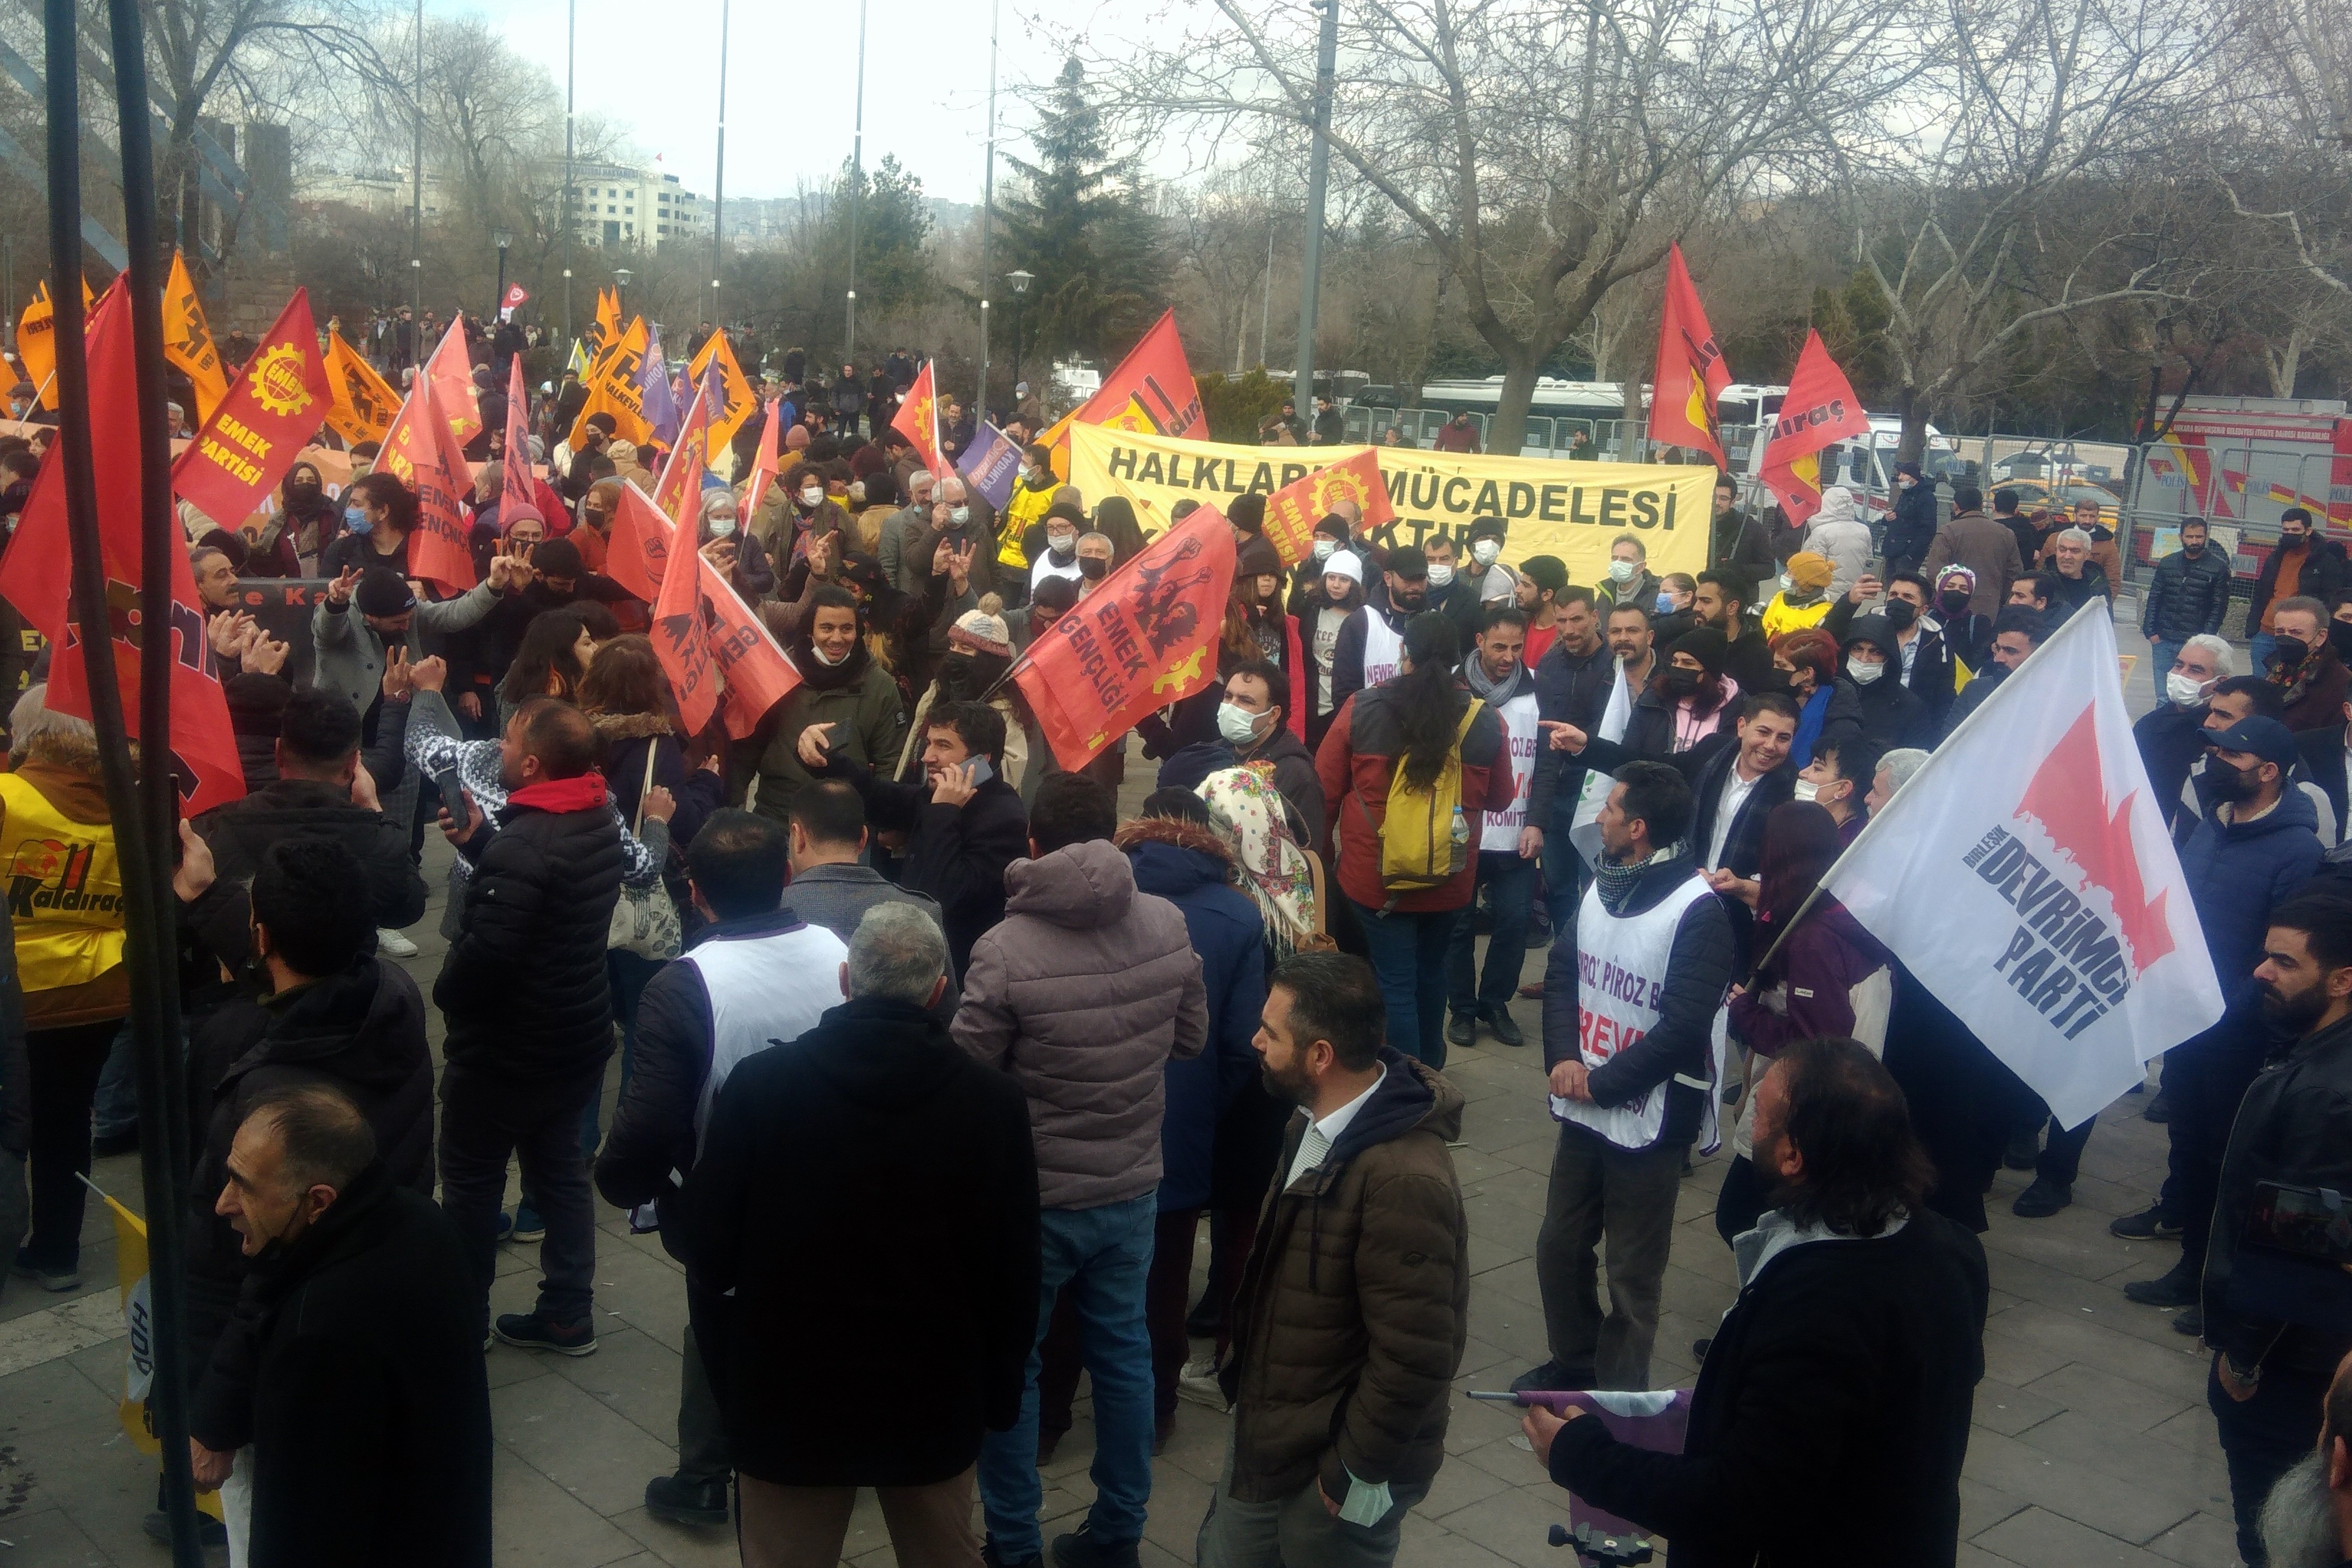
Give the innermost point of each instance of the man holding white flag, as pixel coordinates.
(2061, 932)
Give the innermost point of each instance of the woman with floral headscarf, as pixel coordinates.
(1268, 863)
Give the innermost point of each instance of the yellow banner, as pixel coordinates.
(37, 348)
(1569, 509)
(139, 1369)
(188, 341)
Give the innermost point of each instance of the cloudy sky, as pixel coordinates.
(792, 79)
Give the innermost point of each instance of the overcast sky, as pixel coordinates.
(792, 84)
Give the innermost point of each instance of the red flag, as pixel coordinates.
(640, 545)
(277, 402)
(516, 485)
(1820, 409)
(757, 673)
(1691, 373)
(516, 295)
(682, 641)
(38, 565)
(678, 492)
(451, 372)
(763, 466)
(1292, 512)
(1141, 640)
(439, 551)
(918, 420)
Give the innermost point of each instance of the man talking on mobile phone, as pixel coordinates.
(962, 826)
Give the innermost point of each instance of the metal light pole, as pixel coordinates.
(856, 185)
(987, 211)
(1319, 175)
(8, 292)
(718, 183)
(621, 275)
(1265, 311)
(570, 40)
(1020, 281)
(416, 203)
(502, 238)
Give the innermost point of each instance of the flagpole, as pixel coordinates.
(570, 44)
(856, 181)
(987, 210)
(416, 206)
(718, 181)
(154, 1004)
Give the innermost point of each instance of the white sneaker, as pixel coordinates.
(1198, 1383)
(393, 944)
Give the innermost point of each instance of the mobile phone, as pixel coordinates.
(2310, 1222)
(453, 793)
(980, 772)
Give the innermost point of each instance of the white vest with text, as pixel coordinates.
(1621, 989)
(1382, 648)
(1519, 736)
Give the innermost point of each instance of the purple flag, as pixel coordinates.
(990, 463)
(660, 409)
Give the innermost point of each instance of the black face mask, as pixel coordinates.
(955, 675)
(1683, 682)
(1953, 603)
(2288, 656)
(2339, 637)
(1094, 568)
(2223, 782)
(1899, 614)
(2292, 541)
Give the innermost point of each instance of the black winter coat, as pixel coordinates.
(1886, 713)
(1829, 1420)
(2187, 596)
(956, 854)
(370, 1417)
(239, 833)
(864, 1188)
(1912, 528)
(1574, 690)
(523, 987)
(1739, 544)
(363, 1031)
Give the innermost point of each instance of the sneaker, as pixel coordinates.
(2176, 1289)
(2024, 1151)
(991, 1557)
(1084, 1549)
(528, 1226)
(1550, 1377)
(529, 1331)
(505, 1231)
(2190, 1321)
(681, 1502)
(1198, 1383)
(2159, 1109)
(1462, 1029)
(2042, 1199)
(1498, 1023)
(2151, 1223)
(393, 944)
(644, 1220)
(1700, 1347)
(56, 1281)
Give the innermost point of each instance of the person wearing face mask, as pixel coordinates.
(1837, 780)
(2253, 849)
(2170, 735)
(1967, 635)
(1507, 842)
(979, 652)
(1807, 662)
(1911, 529)
(1095, 556)
(2188, 594)
(1972, 539)
(1484, 561)
(1630, 580)
(734, 551)
(1063, 522)
(1033, 492)
(2303, 563)
(1925, 665)
(1372, 640)
(1869, 702)
(1452, 588)
(1254, 719)
(2312, 680)
(1332, 601)
(379, 514)
(1804, 596)
(900, 545)
(304, 525)
(841, 686)
(1330, 538)
(2016, 633)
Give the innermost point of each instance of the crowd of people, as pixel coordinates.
(931, 1065)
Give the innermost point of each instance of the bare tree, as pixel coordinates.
(1545, 153)
(2289, 163)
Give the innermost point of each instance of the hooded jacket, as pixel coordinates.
(861, 703)
(1884, 713)
(1190, 867)
(863, 1189)
(1911, 530)
(1825, 956)
(1353, 1309)
(1082, 995)
(362, 1031)
(1838, 532)
(2237, 873)
(2325, 570)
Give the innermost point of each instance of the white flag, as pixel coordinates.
(1584, 828)
(2024, 876)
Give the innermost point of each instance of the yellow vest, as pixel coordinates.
(1781, 615)
(65, 890)
(1024, 507)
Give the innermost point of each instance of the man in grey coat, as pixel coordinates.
(1082, 995)
(831, 886)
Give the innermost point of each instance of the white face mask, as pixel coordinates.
(1621, 571)
(831, 663)
(1864, 674)
(961, 515)
(1486, 551)
(1061, 545)
(2183, 690)
(721, 527)
(1807, 789)
(1237, 725)
(1440, 575)
(811, 496)
(1324, 547)
(1787, 581)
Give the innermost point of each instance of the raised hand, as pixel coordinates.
(339, 590)
(427, 674)
(398, 679)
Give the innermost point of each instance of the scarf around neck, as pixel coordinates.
(1616, 883)
(1493, 694)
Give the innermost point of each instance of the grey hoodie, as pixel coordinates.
(1083, 993)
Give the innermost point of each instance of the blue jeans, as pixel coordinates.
(1104, 1255)
(1408, 952)
(1510, 884)
(2160, 655)
(114, 1110)
(2259, 647)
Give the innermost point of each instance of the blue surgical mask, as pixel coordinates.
(961, 515)
(1665, 604)
(356, 519)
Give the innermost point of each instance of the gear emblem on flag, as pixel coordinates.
(278, 377)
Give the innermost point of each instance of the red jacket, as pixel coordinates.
(1358, 762)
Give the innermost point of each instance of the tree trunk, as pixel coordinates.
(1508, 432)
(1913, 446)
(1631, 448)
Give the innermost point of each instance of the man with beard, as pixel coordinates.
(2302, 565)
(2311, 678)
(1508, 842)
(841, 688)
(2307, 1522)
(1340, 1375)
(1721, 600)
(2277, 1299)
(1831, 1417)
(1371, 639)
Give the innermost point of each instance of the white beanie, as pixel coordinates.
(1343, 562)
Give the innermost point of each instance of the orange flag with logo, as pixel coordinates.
(678, 493)
(276, 405)
(682, 640)
(1818, 411)
(1152, 390)
(639, 552)
(731, 399)
(611, 384)
(757, 674)
(440, 550)
(37, 348)
(1292, 512)
(1145, 637)
(918, 420)
(1691, 373)
(451, 370)
(363, 402)
(188, 339)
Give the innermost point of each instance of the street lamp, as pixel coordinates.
(621, 275)
(502, 238)
(1020, 281)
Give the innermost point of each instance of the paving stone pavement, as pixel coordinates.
(2091, 1444)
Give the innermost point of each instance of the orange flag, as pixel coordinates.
(918, 420)
(365, 402)
(1292, 512)
(36, 347)
(732, 398)
(682, 640)
(763, 466)
(1142, 639)
(516, 483)
(611, 384)
(1819, 410)
(38, 565)
(440, 549)
(1151, 390)
(1691, 373)
(276, 405)
(678, 493)
(757, 673)
(451, 370)
(640, 545)
(188, 339)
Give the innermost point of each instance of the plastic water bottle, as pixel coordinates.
(1461, 829)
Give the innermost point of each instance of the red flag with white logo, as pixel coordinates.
(1819, 410)
(640, 545)
(2025, 878)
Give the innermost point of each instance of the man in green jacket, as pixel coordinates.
(842, 685)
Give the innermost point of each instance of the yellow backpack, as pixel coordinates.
(1425, 838)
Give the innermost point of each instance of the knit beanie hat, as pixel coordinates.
(982, 630)
(1810, 569)
(384, 591)
(1343, 562)
(1247, 512)
(1704, 644)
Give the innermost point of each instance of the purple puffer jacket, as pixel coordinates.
(1083, 993)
